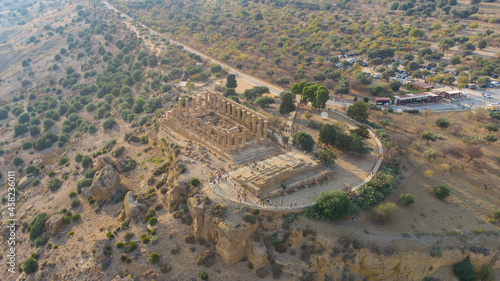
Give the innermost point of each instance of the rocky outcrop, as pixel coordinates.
(25, 182)
(233, 238)
(131, 208)
(53, 224)
(105, 183)
(257, 254)
(178, 194)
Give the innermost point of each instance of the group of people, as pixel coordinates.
(213, 180)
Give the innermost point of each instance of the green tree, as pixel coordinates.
(282, 81)
(483, 81)
(264, 101)
(334, 205)
(443, 123)
(455, 60)
(395, 85)
(287, 102)
(30, 265)
(327, 157)
(481, 44)
(445, 44)
(231, 81)
(428, 136)
(487, 273)
(342, 87)
(376, 90)
(86, 161)
(383, 211)
(441, 191)
(474, 25)
(465, 271)
(358, 111)
(303, 141)
(407, 199)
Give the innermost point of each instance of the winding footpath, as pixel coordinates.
(222, 190)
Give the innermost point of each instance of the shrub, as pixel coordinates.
(262, 273)
(118, 151)
(54, 184)
(486, 273)
(86, 161)
(465, 271)
(130, 246)
(207, 258)
(63, 161)
(119, 245)
(152, 221)
(154, 257)
(189, 238)
(195, 182)
(72, 194)
(35, 182)
(128, 235)
(248, 217)
(492, 127)
(331, 205)
(436, 251)
(384, 211)
(407, 199)
(495, 214)
(30, 265)
(165, 268)
(219, 210)
(276, 271)
(490, 137)
(204, 276)
(174, 250)
(144, 239)
(38, 225)
(110, 235)
(75, 203)
(78, 158)
(441, 191)
(17, 161)
(71, 233)
(75, 217)
(41, 240)
(27, 145)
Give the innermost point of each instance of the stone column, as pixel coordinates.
(259, 129)
(233, 110)
(228, 141)
(265, 129)
(249, 120)
(206, 99)
(218, 137)
(244, 117)
(244, 137)
(236, 139)
(254, 124)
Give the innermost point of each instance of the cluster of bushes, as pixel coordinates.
(376, 190)
(334, 135)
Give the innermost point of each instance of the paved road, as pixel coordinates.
(249, 78)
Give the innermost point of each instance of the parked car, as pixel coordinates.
(494, 76)
(486, 95)
(376, 75)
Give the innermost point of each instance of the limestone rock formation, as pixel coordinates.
(25, 182)
(53, 224)
(131, 207)
(105, 183)
(233, 239)
(178, 193)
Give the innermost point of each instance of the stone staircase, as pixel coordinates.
(254, 153)
(226, 190)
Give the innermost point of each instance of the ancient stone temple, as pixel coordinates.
(221, 124)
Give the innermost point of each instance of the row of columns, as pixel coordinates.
(231, 139)
(246, 117)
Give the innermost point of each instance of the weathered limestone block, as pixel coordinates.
(105, 183)
(178, 194)
(25, 182)
(53, 224)
(233, 242)
(257, 254)
(131, 208)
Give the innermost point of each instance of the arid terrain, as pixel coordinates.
(126, 156)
